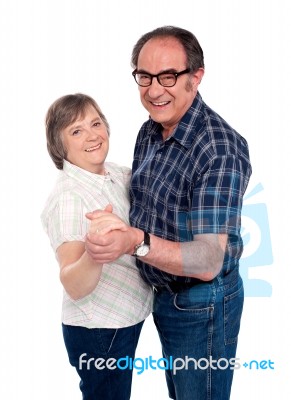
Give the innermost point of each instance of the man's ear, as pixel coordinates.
(197, 76)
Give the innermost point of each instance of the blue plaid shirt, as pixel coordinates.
(191, 183)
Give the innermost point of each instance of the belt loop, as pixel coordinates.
(219, 279)
(169, 289)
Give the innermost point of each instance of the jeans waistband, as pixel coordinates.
(178, 286)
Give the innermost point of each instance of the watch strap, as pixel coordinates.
(147, 239)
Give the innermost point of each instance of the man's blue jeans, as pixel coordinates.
(202, 323)
(84, 344)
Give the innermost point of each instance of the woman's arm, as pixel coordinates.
(79, 273)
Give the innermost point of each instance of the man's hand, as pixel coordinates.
(105, 248)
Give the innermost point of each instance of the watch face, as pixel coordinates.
(142, 250)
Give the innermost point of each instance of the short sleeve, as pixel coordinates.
(66, 220)
(218, 195)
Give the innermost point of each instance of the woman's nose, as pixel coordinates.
(92, 134)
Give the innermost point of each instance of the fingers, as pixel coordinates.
(100, 248)
(118, 225)
(108, 208)
(96, 213)
(107, 222)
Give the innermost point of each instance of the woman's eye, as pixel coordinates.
(97, 124)
(76, 132)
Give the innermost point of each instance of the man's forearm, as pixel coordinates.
(202, 258)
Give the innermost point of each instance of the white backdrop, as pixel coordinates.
(50, 48)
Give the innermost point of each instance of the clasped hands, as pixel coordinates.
(108, 237)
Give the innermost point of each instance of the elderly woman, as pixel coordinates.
(104, 306)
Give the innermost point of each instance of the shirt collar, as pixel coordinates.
(184, 132)
(189, 124)
(85, 178)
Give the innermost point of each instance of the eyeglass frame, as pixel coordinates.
(176, 74)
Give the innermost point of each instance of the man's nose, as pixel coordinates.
(155, 89)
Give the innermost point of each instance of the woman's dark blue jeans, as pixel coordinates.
(93, 351)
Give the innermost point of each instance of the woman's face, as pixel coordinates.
(86, 142)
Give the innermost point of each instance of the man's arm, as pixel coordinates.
(202, 258)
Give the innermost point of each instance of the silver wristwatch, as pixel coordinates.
(143, 248)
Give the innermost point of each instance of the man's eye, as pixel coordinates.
(144, 77)
(167, 77)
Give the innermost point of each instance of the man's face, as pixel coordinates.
(167, 105)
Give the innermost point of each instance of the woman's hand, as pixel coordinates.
(104, 221)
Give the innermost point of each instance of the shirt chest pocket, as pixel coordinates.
(172, 190)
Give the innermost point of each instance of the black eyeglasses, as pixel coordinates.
(166, 79)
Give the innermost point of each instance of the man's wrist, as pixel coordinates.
(137, 238)
(143, 247)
